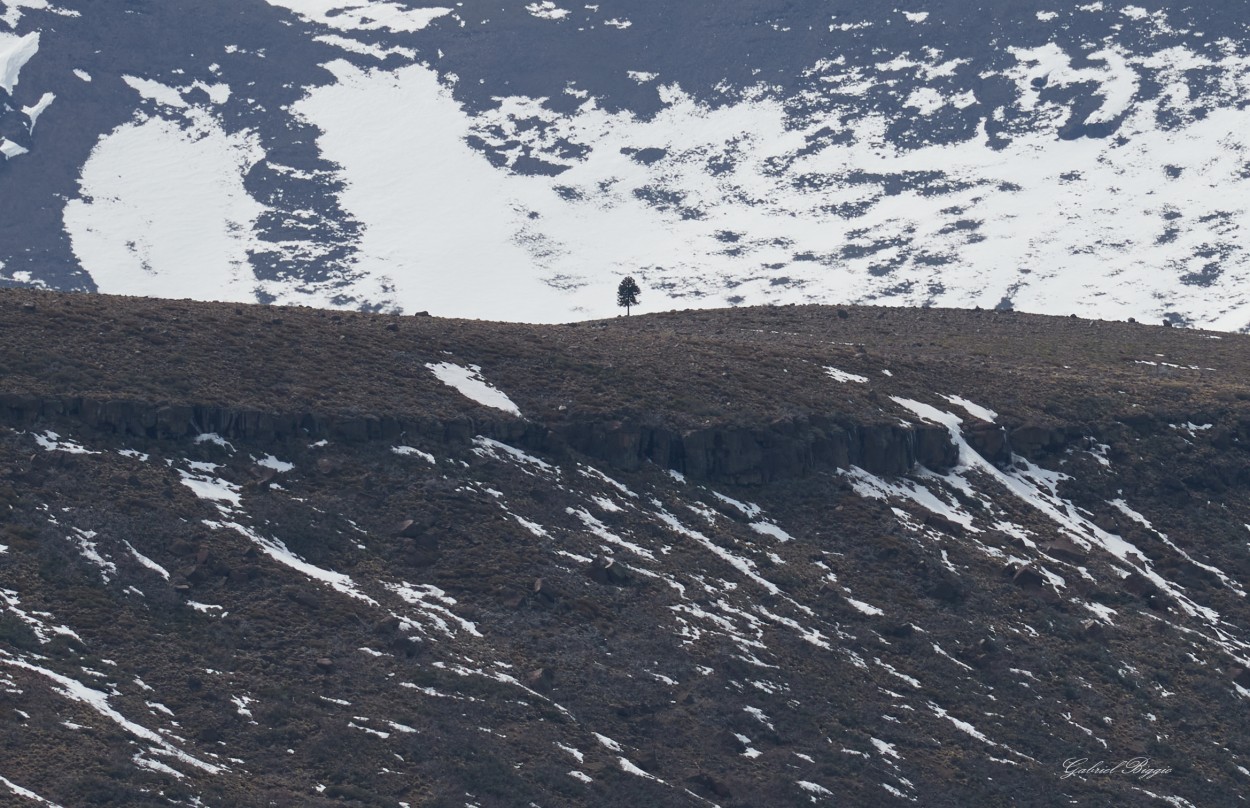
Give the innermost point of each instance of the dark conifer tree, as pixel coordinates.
(627, 294)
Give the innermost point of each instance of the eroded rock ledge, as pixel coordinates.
(743, 455)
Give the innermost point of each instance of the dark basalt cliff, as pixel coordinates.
(733, 454)
(258, 556)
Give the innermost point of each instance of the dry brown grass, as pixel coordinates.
(680, 369)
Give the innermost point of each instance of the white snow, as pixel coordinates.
(33, 112)
(572, 751)
(489, 447)
(1103, 612)
(749, 509)
(743, 565)
(885, 749)
(15, 52)
(607, 742)
(13, 11)
(601, 530)
(53, 442)
(157, 707)
(870, 485)
(147, 562)
(963, 726)
(98, 701)
(271, 462)
(434, 602)
(865, 608)
(155, 91)
(409, 450)
(363, 15)
(759, 715)
(746, 742)
(376, 732)
(770, 529)
(975, 410)
(90, 551)
(591, 471)
(10, 149)
(535, 528)
(940, 651)
(156, 766)
(1082, 215)
(843, 376)
(211, 488)
(469, 382)
(911, 680)
(278, 551)
(356, 46)
(547, 10)
(1037, 487)
(25, 792)
(1227, 580)
(240, 705)
(606, 504)
(163, 211)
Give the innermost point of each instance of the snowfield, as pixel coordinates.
(1084, 160)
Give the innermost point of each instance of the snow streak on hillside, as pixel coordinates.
(1087, 159)
(746, 618)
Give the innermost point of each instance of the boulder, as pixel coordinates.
(540, 680)
(942, 523)
(1093, 630)
(1033, 440)
(1064, 549)
(1028, 578)
(989, 441)
(606, 570)
(543, 592)
(408, 529)
(1140, 585)
(708, 784)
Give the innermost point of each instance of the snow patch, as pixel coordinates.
(15, 52)
(409, 450)
(843, 376)
(469, 382)
(162, 210)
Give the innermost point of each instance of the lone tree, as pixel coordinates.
(627, 294)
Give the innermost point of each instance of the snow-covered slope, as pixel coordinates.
(516, 162)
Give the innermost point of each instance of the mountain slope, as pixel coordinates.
(514, 163)
(504, 564)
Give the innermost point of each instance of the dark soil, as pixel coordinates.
(888, 652)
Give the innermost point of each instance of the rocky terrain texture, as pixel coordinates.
(262, 556)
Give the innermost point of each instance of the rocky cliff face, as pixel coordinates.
(477, 584)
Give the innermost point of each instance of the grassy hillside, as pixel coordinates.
(450, 618)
